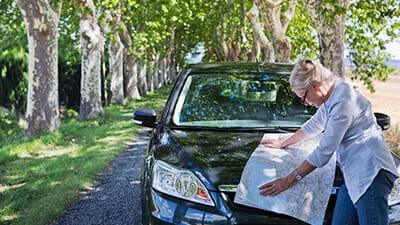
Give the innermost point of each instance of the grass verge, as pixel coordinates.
(42, 175)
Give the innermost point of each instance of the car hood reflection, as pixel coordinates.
(220, 155)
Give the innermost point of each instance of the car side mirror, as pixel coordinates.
(145, 118)
(383, 120)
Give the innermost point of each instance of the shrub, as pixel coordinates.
(8, 123)
(393, 138)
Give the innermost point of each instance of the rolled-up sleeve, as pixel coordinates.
(338, 121)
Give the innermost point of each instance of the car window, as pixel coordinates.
(239, 100)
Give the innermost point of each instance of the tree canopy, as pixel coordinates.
(156, 36)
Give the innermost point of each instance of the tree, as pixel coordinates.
(303, 38)
(41, 21)
(111, 26)
(223, 30)
(276, 25)
(131, 67)
(370, 25)
(260, 40)
(329, 18)
(91, 45)
(13, 59)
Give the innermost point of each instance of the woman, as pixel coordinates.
(350, 129)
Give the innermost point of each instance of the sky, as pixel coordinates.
(394, 49)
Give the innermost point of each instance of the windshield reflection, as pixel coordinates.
(239, 100)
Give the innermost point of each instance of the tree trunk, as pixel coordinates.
(150, 72)
(131, 68)
(161, 71)
(276, 26)
(90, 106)
(172, 73)
(330, 33)
(259, 38)
(42, 113)
(104, 80)
(116, 53)
(234, 50)
(171, 64)
(116, 56)
(131, 77)
(142, 80)
(156, 69)
(222, 50)
(229, 45)
(166, 71)
(244, 53)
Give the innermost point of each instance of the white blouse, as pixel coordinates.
(349, 127)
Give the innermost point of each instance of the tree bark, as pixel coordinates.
(171, 64)
(172, 68)
(222, 50)
(142, 80)
(91, 42)
(276, 27)
(330, 33)
(150, 73)
(131, 77)
(259, 38)
(116, 53)
(131, 67)
(116, 56)
(156, 70)
(41, 20)
(161, 72)
(244, 53)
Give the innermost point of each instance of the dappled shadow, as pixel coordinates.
(41, 175)
(115, 197)
(66, 173)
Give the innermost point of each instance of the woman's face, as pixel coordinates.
(312, 95)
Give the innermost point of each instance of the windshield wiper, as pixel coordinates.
(199, 128)
(278, 129)
(287, 129)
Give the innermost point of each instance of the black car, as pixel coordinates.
(213, 120)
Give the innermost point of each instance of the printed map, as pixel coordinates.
(306, 200)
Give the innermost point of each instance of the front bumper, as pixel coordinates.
(164, 210)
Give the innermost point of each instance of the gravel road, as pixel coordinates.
(115, 196)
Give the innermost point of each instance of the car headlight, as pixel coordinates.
(181, 183)
(394, 196)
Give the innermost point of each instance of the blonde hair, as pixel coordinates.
(306, 71)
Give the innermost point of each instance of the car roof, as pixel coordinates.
(241, 67)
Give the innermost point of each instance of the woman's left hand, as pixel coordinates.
(275, 187)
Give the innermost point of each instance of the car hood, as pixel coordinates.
(219, 156)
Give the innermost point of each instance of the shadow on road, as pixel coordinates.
(115, 196)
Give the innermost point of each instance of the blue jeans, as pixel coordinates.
(372, 207)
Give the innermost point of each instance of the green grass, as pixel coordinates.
(42, 175)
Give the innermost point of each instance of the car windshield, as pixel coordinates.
(239, 101)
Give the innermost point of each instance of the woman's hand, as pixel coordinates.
(275, 187)
(273, 143)
(282, 184)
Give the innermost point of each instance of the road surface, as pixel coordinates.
(115, 196)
